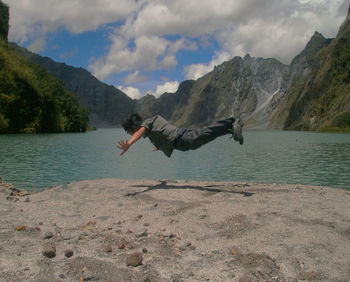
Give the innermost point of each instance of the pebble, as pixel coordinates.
(48, 235)
(121, 245)
(134, 259)
(21, 228)
(83, 236)
(107, 248)
(49, 249)
(87, 274)
(143, 234)
(27, 200)
(68, 253)
(91, 222)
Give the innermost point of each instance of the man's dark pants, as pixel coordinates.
(191, 139)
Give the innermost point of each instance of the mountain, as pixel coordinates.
(242, 84)
(32, 100)
(107, 105)
(250, 87)
(311, 93)
(320, 100)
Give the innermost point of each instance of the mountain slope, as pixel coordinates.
(107, 104)
(321, 99)
(31, 100)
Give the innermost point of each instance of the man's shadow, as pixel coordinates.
(165, 186)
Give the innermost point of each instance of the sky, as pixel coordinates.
(151, 46)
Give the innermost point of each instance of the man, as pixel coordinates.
(167, 137)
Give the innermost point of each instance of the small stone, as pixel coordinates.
(48, 235)
(83, 236)
(134, 259)
(62, 276)
(107, 248)
(68, 253)
(146, 224)
(21, 228)
(22, 193)
(143, 234)
(91, 222)
(27, 200)
(144, 250)
(130, 246)
(121, 245)
(139, 216)
(245, 278)
(87, 274)
(49, 249)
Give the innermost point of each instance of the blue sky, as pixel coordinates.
(150, 46)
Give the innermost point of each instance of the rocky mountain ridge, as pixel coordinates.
(320, 99)
(260, 90)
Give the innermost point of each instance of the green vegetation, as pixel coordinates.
(321, 100)
(4, 20)
(31, 100)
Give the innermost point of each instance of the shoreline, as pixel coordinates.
(175, 231)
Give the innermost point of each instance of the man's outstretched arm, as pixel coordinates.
(125, 145)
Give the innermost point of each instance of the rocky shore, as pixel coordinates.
(147, 230)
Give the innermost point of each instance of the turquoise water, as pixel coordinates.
(34, 162)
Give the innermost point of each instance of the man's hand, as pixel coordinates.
(124, 146)
(155, 149)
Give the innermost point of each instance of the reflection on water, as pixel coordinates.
(37, 161)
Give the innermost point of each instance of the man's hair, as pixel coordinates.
(132, 123)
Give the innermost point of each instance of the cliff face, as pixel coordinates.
(320, 100)
(4, 20)
(242, 85)
(251, 87)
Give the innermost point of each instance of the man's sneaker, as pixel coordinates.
(237, 131)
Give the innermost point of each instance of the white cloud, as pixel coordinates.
(196, 71)
(151, 33)
(28, 19)
(274, 28)
(134, 77)
(132, 92)
(69, 54)
(146, 53)
(37, 45)
(169, 87)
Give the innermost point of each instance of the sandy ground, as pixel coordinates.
(182, 231)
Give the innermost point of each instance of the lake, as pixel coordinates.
(36, 161)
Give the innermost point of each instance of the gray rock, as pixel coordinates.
(48, 235)
(49, 249)
(107, 248)
(134, 259)
(68, 253)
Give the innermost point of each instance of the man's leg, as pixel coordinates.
(192, 139)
